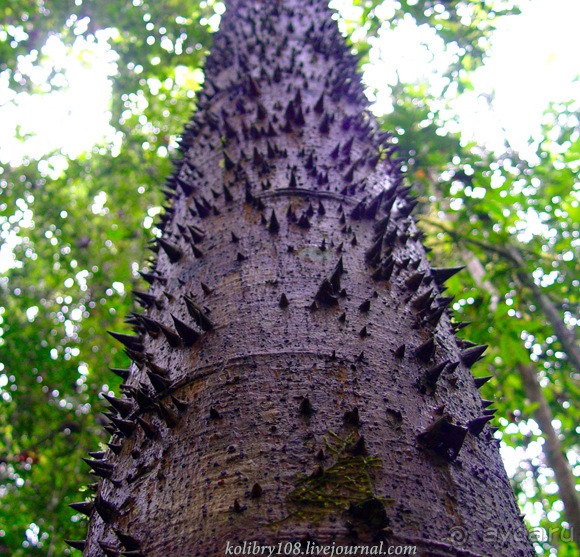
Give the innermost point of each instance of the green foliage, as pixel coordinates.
(78, 239)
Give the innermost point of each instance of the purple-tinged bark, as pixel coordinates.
(295, 375)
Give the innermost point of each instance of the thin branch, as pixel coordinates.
(566, 337)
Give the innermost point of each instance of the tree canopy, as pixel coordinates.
(75, 229)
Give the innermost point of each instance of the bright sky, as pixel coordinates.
(533, 60)
(70, 120)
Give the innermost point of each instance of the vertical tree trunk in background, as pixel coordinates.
(295, 376)
(553, 450)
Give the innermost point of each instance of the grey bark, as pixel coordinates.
(553, 450)
(296, 376)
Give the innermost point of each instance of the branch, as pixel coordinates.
(553, 451)
(477, 272)
(565, 336)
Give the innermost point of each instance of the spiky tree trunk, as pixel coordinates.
(295, 376)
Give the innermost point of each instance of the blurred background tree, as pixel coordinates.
(93, 96)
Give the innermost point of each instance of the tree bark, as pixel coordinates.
(553, 451)
(295, 377)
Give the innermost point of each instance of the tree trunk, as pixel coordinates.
(295, 376)
(553, 450)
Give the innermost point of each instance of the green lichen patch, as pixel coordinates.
(345, 486)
